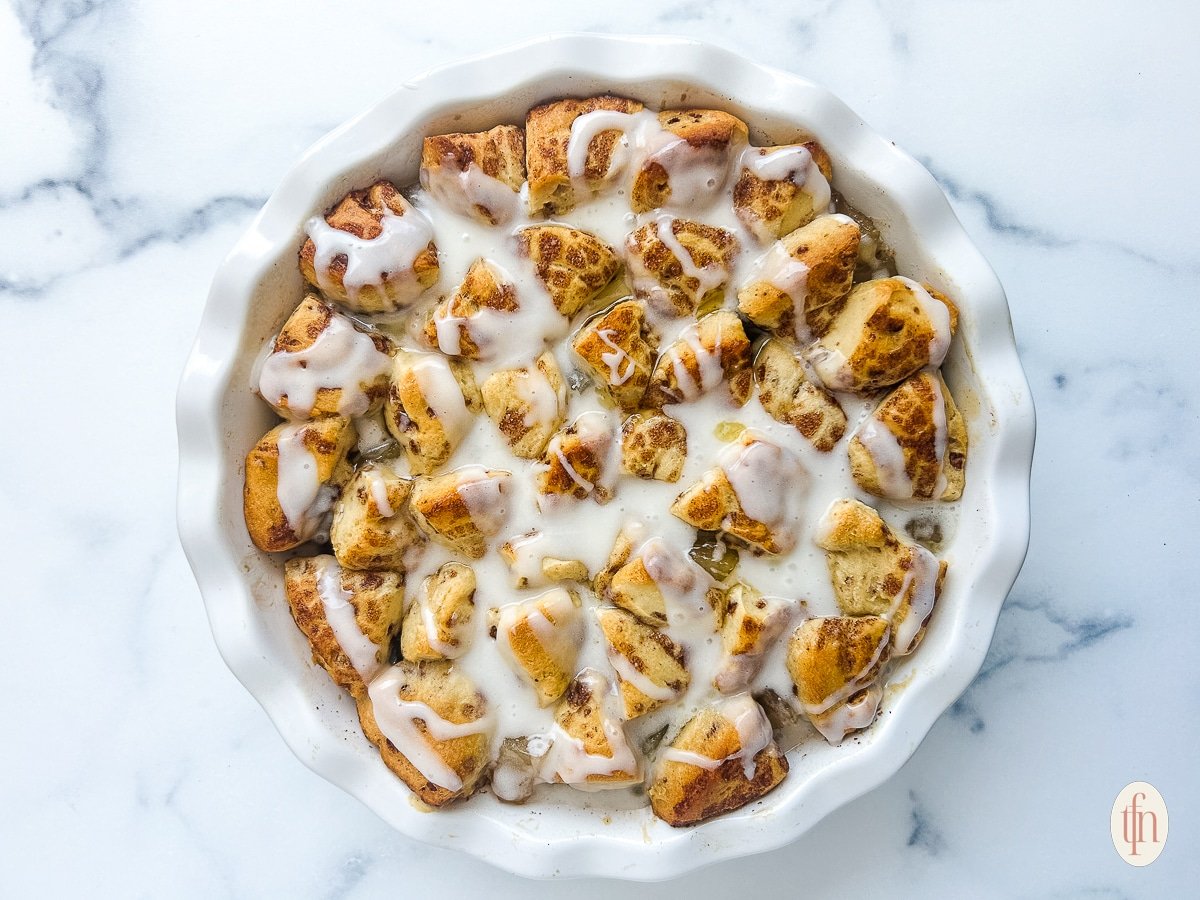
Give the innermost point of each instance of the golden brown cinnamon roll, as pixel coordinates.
(712, 351)
(552, 187)
(577, 462)
(834, 662)
(541, 637)
(875, 573)
(750, 625)
(350, 618)
(463, 508)
(653, 445)
(617, 348)
(780, 189)
(527, 404)
(888, 329)
(322, 364)
(800, 284)
(293, 476)
(649, 666)
(478, 175)
(590, 749)
(789, 396)
(693, 167)
(430, 407)
(914, 445)
(431, 726)
(474, 320)
(677, 265)
(574, 266)
(373, 252)
(722, 759)
(437, 623)
(372, 527)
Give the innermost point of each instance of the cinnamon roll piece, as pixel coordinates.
(677, 265)
(789, 396)
(589, 748)
(463, 508)
(373, 252)
(527, 404)
(437, 623)
(293, 475)
(649, 666)
(714, 350)
(574, 266)
(617, 348)
(430, 407)
(350, 618)
(541, 637)
(477, 175)
(688, 164)
(372, 527)
(474, 320)
(780, 189)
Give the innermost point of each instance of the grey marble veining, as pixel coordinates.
(139, 140)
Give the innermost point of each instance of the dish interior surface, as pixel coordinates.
(569, 832)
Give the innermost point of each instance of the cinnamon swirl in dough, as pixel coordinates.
(677, 265)
(713, 350)
(350, 618)
(478, 175)
(527, 404)
(789, 396)
(436, 624)
(888, 329)
(574, 266)
(780, 189)
(649, 666)
(463, 508)
(722, 759)
(876, 573)
(473, 320)
(914, 445)
(653, 445)
(618, 349)
(373, 253)
(834, 662)
(322, 364)
(293, 475)
(430, 406)
(432, 728)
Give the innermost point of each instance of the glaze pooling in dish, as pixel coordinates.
(674, 218)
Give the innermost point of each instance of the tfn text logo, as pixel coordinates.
(1139, 824)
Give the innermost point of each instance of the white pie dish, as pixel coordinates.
(259, 283)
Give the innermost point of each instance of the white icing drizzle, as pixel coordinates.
(377, 486)
(941, 433)
(754, 736)
(757, 469)
(341, 358)
(362, 652)
(641, 134)
(569, 760)
(442, 394)
(920, 588)
(615, 358)
(397, 720)
(708, 363)
(462, 190)
(535, 390)
(885, 451)
(629, 673)
(938, 315)
(558, 638)
(853, 715)
(785, 273)
(298, 487)
(483, 495)
(433, 633)
(389, 257)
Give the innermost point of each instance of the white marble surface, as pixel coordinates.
(137, 140)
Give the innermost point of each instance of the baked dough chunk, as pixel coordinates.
(789, 396)
(284, 502)
(473, 320)
(677, 265)
(695, 166)
(321, 364)
(576, 462)
(478, 175)
(373, 253)
(430, 407)
(642, 583)
(548, 133)
(722, 759)
(800, 284)
(589, 744)
(618, 350)
(747, 495)
(713, 350)
(528, 404)
(431, 726)
(780, 189)
(463, 508)
(876, 573)
(573, 265)
(541, 637)
(750, 625)
(834, 662)
(649, 665)
(372, 528)
(888, 329)
(914, 445)
(531, 568)
(653, 445)
(350, 618)
(437, 622)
